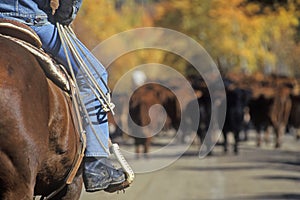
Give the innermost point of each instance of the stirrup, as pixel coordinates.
(115, 149)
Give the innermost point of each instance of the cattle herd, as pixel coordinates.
(265, 103)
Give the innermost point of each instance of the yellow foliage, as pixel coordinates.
(239, 33)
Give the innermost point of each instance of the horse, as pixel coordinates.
(39, 143)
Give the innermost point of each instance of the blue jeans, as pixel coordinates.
(51, 44)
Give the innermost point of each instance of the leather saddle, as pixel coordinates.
(27, 38)
(19, 30)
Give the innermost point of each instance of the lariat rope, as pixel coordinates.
(66, 35)
(104, 99)
(90, 80)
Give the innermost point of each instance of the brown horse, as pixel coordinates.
(38, 143)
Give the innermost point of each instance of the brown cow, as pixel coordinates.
(146, 119)
(279, 113)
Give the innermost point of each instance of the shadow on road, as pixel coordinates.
(289, 196)
(278, 178)
(220, 168)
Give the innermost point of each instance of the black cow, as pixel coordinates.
(236, 102)
(197, 116)
(259, 109)
(198, 112)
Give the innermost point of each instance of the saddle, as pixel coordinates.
(21, 31)
(27, 38)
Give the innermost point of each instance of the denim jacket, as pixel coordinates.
(38, 12)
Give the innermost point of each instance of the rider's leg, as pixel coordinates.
(97, 145)
(98, 172)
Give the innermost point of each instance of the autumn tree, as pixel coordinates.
(246, 35)
(238, 34)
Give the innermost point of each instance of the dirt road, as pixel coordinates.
(256, 173)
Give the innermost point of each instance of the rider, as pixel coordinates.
(98, 173)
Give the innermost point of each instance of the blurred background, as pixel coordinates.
(256, 46)
(240, 35)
